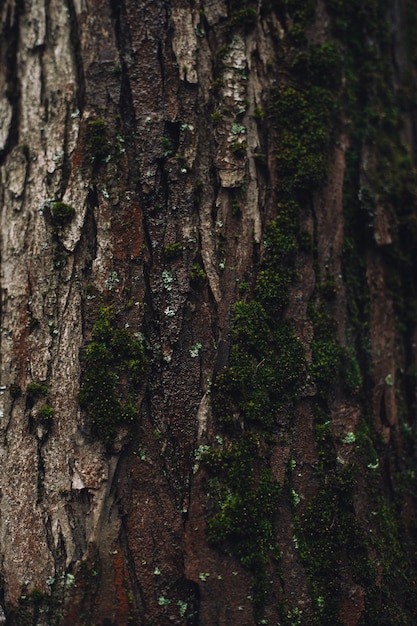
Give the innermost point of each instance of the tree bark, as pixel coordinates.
(208, 312)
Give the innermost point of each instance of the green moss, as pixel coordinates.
(36, 390)
(266, 369)
(249, 394)
(172, 251)
(332, 364)
(167, 147)
(258, 114)
(245, 501)
(391, 599)
(304, 121)
(238, 148)
(329, 539)
(326, 362)
(46, 413)
(319, 65)
(216, 117)
(98, 146)
(352, 377)
(115, 365)
(245, 17)
(62, 213)
(15, 390)
(305, 109)
(197, 274)
(37, 596)
(30, 607)
(301, 11)
(263, 379)
(277, 272)
(265, 374)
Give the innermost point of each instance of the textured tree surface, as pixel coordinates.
(208, 312)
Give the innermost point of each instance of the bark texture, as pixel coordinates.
(208, 312)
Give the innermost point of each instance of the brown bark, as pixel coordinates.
(155, 122)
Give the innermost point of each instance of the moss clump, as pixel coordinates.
(304, 123)
(15, 390)
(115, 365)
(46, 413)
(31, 605)
(265, 374)
(197, 274)
(326, 362)
(258, 114)
(264, 377)
(245, 17)
(305, 110)
(216, 117)
(36, 390)
(392, 599)
(97, 140)
(266, 369)
(277, 272)
(245, 500)
(296, 16)
(329, 538)
(62, 213)
(319, 65)
(238, 148)
(263, 380)
(167, 146)
(332, 364)
(172, 251)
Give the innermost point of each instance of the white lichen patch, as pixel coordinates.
(195, 350)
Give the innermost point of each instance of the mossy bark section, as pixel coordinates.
(226, 192)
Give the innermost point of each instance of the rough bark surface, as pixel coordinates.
(144, 151)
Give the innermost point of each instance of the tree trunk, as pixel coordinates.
(208, 310)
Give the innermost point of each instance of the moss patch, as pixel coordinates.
(115, 366)
(245, 499)
(98, 146)
(62, 213)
